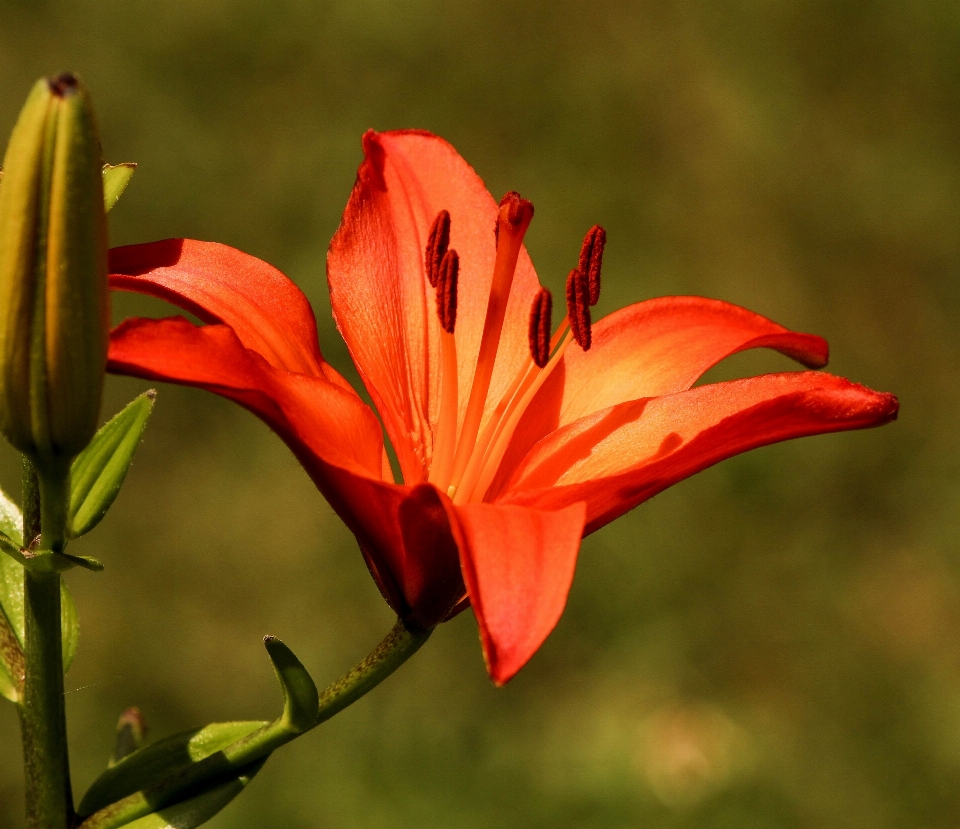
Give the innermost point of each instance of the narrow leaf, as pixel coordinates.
(156, 762)
(198, 810)
(12, 549)
(98, 472)
(11, 519)
(115, 181)
(11, 609)
(11, 606)
(69, 625)
(300, 698)
(11, 649)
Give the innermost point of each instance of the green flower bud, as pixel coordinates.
(54, 301)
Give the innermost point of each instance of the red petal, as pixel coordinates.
(383, 302)
(404, 533)
(308, 411)
(648, 349)
(621, 456)
(267, 312)
(518, 564)
(665, 345)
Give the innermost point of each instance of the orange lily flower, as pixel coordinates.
(513, 441)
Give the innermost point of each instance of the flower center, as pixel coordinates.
(465, 465)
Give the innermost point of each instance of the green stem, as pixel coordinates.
(43, 721)
(396, 648)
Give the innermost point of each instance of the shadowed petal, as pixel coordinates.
(619, 457)
(518, 564)
(404, 533)
(217, 283)
(303, 409)
(382, 301)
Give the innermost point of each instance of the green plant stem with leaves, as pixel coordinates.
(54, 313)
(43, 719)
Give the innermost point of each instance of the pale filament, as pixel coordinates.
(514, 398)
(465, 467)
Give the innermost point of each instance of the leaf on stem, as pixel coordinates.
(166, 758)
(115, 180)
(198, 810)
(98, 472)
(11, 606)
(11, 629)
(69, 626)
(300, 697)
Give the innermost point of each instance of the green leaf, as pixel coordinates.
(69, 625)
(115, 181)
(11, 609)
(300, 698)
(198, 810)
(11, 519)
(98, 472)
(158, 761)
(11, 605)
(11, 629)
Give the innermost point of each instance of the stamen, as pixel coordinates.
(437, 243)
(578, 307)
(447, 290)
(591, 258)
(508, 426)
(514, 219)
(540, 314)
(446, 437)
(505, 413)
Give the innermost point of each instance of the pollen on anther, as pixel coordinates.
(437, 243)
(578, 308)
(591, 259)
(447, 274)
(540, 313)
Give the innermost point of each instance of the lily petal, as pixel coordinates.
(619, 457)
(665, 345)
(266, 310)
(660, 346)
(518, 564)
(383, 303)
(303, 409)
(403, 533)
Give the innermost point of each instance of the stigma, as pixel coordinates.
(465, 463)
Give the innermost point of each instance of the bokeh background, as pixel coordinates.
(773, 643)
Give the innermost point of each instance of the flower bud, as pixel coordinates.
(54, 302)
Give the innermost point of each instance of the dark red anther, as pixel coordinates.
(540, 315)
(578, 307)
(591, 258)
(437, 243)
(447, 275)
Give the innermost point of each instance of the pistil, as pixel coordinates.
(512, 223)
(467, 467)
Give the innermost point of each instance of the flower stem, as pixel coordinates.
(43, 721)
(395, 649)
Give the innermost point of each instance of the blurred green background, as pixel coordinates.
(773, 643)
